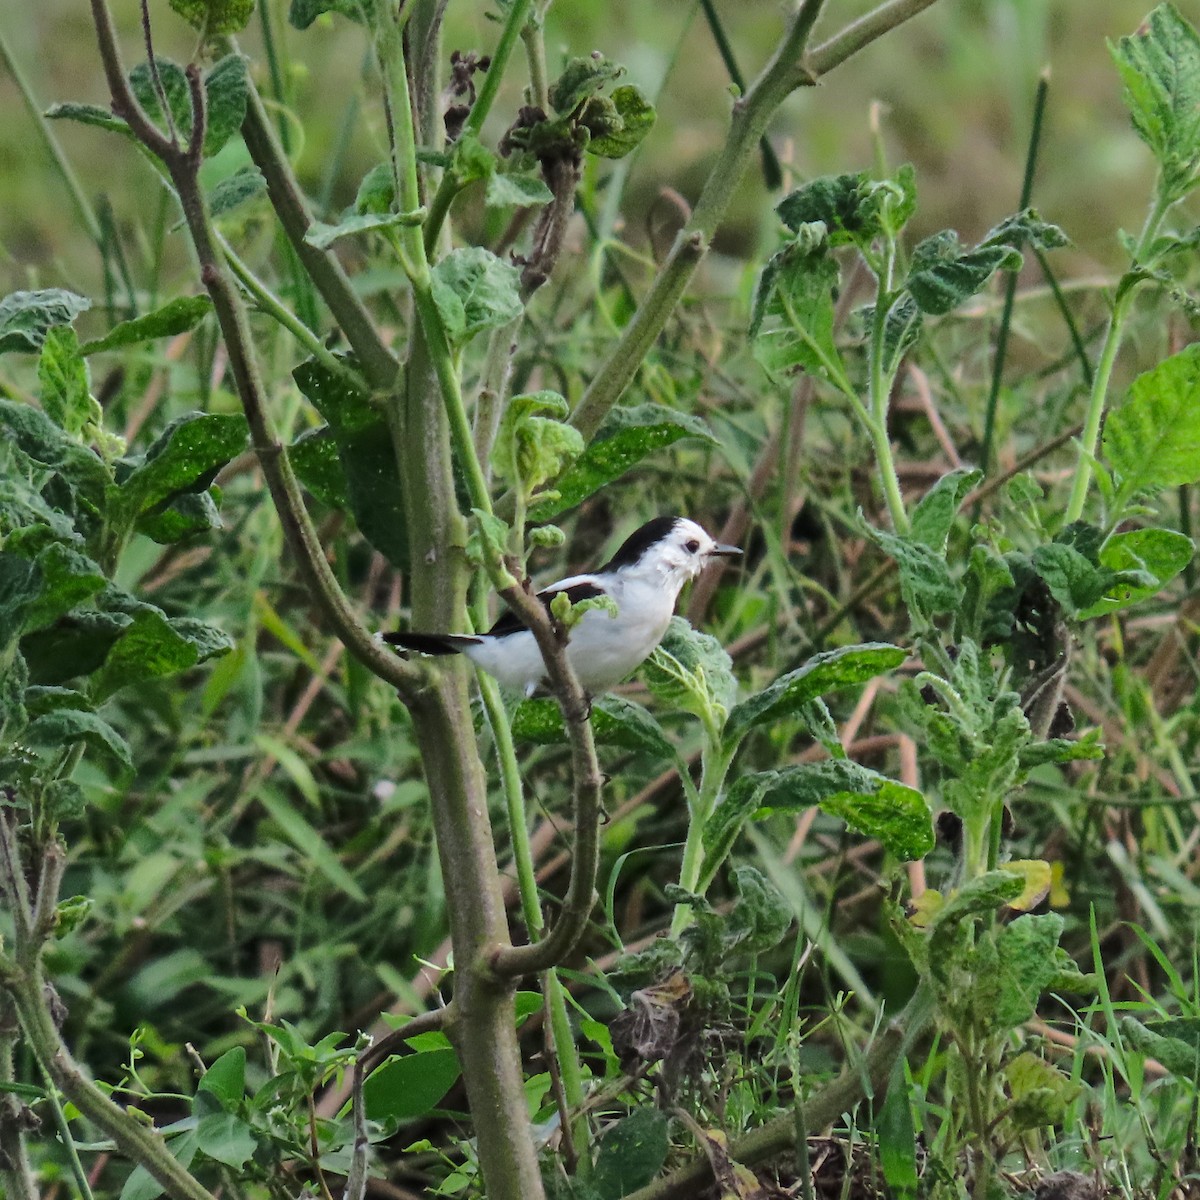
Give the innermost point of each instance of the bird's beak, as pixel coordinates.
(720, 551)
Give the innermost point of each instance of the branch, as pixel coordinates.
(379, 1052)
(515, 961)
(843, 1093)
(789, 69)
(322, 267)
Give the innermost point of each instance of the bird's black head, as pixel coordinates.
(639, 541)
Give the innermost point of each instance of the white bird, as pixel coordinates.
(644, 579)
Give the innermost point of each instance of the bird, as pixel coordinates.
(643, 579)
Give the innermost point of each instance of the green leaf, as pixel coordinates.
(632, 1152)
(1073, 581)
(152, 646)
(371, 486)
(936, 510)
(868, 802)
(75, 645)
(615, 722)
(925, 582)
(314, 458)
(226, 91)
(25, 317)
(81, 471)
(636, 118)
(792, 321)
(309, 842)
(473, 291)
(410, 1086)
(760, 916)
(1027, 228)
(68, 579)
(323, 236)
(178, 316)
(65, 389)
(1158, 553)
(141, 1185)
(1040, 1092)
(852, 207)
(88, 114)
(304, 12)
(226, 1078)
(213, 18)
(21, 586)
(1160, 68)
(184, 458)
(65, 726)
(184, 516)
(897, 1137)
(175, 88)
(226, 1138)
(824, 673)
(1172, 1043)
(691, 670)
(377, 192)
(1153, 440)
(581, 79)
(515, 191)
(1027, 964)
(942, 275)
(534, 443)
(628, 435)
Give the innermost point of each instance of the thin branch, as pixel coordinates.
(515, 961)
(356, 1179)
(12, 882)
(427, 1022)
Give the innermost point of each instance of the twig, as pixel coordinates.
(426, 1022)
(356, 1180)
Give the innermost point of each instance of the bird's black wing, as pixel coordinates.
(509, 622)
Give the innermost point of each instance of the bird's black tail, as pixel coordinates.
(430, 643)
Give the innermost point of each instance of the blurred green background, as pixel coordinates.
(955, 86)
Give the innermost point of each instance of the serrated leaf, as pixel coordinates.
(615, 722)
(64, 386)
(925, 582)
(81, 471)
(303, 13)
(515, 191)
(691, 670)
(1027, 963)
(935, 512)
(636, 115)
(1153, 440)
(215, 17)
(870, 803)
(942, 274)
(184, 458)
(26, 317)
(1160, 68)
(20, 587)
(628, 435)
(760, 916)
(64, 726)
(1159, 553)
(1073, 581)
(852, 207)
(632, 1152)
(410, 1086)
(175, 317)
(474, 290)
(368, 462)
(824, 673)
(1040, 1092)
(1035, 873)
(533, 442)
(792, 322)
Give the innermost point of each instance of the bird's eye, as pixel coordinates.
(692, 546)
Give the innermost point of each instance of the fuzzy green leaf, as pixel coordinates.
(1027, 964)
(581, 79)
(184, 516)
(178, 316)
(691, 670)
(323, 236)
(368, 461)
(64, 726)
(314, 458)
(636, 116)
(213, 18)
(184, 458)
(68, 579)
(88, 114)
(853, 208)
(175, 88)
(1160, 68)
(628, 435)
(792, 322)
(303, 13)
(925, 582)
(65, 388)
(1158, 553)
(615, 722)
(474, 290)
(632, 1152)
(377, 192)
(534, 443)
(824, 673)
(942, 274)
(1153, 440)
(410, 1086)
(1073, 581)
(515, 191)
(21, 586)
(936, 510)
(1040, 1092)
(25, 317)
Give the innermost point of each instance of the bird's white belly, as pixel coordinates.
(603, 650)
